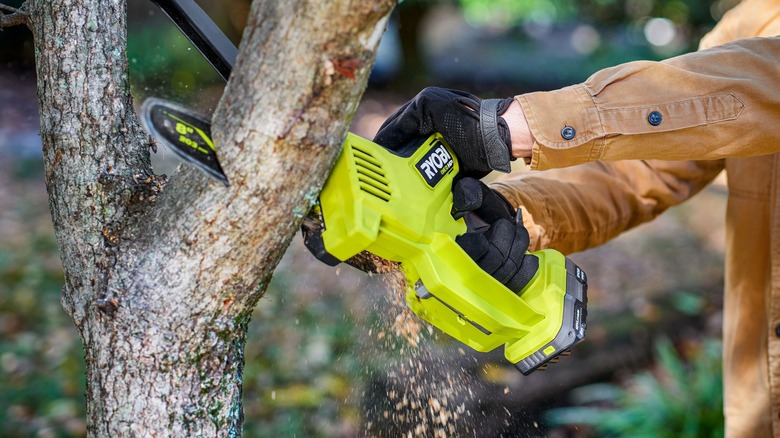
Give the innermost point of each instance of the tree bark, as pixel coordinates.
(161, 275)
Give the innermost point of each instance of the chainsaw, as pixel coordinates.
(398, 206)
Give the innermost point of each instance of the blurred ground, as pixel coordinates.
(322, 359)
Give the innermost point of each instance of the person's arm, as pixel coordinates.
(581, 207)
(715, 103)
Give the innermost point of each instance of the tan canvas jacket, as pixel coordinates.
(637, 129)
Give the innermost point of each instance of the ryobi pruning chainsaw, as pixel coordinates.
(398, 206)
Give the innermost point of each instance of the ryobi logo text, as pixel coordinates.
(436, 163)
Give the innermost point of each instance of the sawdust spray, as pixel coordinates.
(423, 395)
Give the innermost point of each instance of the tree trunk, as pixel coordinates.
(161, 275)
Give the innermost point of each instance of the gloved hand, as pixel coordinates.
(471, 126)
(497, 239)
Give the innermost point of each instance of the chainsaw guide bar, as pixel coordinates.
(184, 132)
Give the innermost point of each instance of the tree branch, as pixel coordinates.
(14, 16)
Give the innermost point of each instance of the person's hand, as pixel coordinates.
(519, 131)
(496, 238)
(473, 128)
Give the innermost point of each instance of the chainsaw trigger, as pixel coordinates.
(474, 223)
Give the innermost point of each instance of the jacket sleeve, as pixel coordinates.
(712, 104)
(580, 207)
(715, 103)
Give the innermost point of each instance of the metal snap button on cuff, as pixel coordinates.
(654, 118)
(568, 133)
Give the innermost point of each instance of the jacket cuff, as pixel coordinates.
(566, 127)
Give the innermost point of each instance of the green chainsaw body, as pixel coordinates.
(398, 207)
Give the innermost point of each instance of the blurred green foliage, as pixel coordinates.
(164, 63)
(606, 12)
(676, 399)
(512, 46)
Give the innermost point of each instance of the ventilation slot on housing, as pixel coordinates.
(371, 176)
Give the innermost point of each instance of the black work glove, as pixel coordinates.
(471, 126)
(497, 239)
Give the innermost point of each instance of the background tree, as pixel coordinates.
(161, 276)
